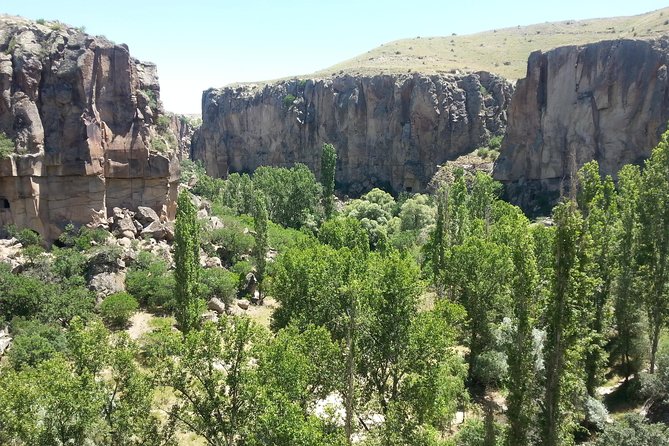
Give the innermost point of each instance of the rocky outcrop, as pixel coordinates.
(82, 115)
(607, 101)
(389, 131)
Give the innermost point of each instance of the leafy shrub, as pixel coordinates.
(163, 122)
(33, 298)
(83, 238)
(220, 283)
(417, 213)
(231, 243)
(632, 430)
(151, 282)
(491, 368)
(41, 21)
(6, 144)
(117, 308)
(25, 236)
(293, 195)
(34, 342)
(153, 100)
(482, 152)
(495, 142)
(159, 145)
(288, 100)
(473, 432)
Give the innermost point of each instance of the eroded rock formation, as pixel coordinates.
(81, 113)
(389, 131)
(607, 101)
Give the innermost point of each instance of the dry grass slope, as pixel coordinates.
(501, 51)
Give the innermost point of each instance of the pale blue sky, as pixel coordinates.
(202, 44)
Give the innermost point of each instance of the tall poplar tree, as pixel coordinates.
(628, 309)
(653, 254)
(561, 319)
(187, 264)
(597, 202)
(260, 225)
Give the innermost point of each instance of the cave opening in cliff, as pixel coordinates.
(4, 203)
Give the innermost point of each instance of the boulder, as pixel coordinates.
(243, 304)
(155, 230)
(216, 304)
(108, 283)
(145, 215)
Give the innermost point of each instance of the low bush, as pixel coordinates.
(117, 308)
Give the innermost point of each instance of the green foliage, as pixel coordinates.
(163, 122)
(83, 238)
(260, 246)
(151, 283)
(328, 168)
(187, 264)
(117, 308)
(632, 430)
(653, 241)
(94, 393)
(34, 342)
(6, 144)
(344, 232)
(25, 236)
(31, 297)
(292, 195)
(416, 213)
(159, 145)
(231, 242)
(153, 99)
(288, 100)
(220, 283)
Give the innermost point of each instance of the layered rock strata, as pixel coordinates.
(389, 130)
(606, 101)
(80, 113)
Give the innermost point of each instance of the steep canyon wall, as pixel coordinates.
(606, 101)
(389, 130)
(81, 114)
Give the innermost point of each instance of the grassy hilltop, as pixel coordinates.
(501, 51)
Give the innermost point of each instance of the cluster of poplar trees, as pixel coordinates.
(391, 318)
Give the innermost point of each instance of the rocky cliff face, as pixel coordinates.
(607, 101)
(81, 114)
(389, 131)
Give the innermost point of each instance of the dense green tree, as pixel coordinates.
(293, 195)
(477, 272)
(260, 235)
(653, 250)
(564, 330)
(344, 232)
(597, 202)
(633, 430)
(522, 385)
(328, 169)
(151, 282)
(630, 343)
(187, 264)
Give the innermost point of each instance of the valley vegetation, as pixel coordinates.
(440, 319)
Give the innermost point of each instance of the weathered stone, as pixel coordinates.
(388, 130)
(125, 224)
(606, 101)
(155, 230)
(243, 304)
(108, 283)
(146, 215)
(216, 304)
(70, 102)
